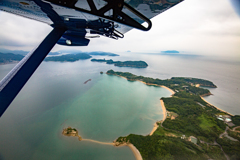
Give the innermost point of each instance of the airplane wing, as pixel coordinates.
(73, 21)
(111, 18)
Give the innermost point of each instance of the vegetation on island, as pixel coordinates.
(134, 64)
(10, 57)
(231, 148)
(187, 116)
(177, 84)
(71, 132)
(68, 57)
(193, 119)
(171, 148)
(236, 120)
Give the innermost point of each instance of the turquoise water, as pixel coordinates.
(103, 109)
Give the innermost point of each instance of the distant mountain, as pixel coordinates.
(95, 53)
(21, 52)
(54, 53)
(10, 57)
(69, 57)
(170, 51)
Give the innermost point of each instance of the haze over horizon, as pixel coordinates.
(194, 26)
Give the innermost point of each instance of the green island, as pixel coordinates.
(134, 64)
(68, 57)
(177, 84)
(10, 57)
(193, 129)
(71, 132)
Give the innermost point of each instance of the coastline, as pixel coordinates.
(169, 89)
(74, 133)
(162, 104)
(135, 151)
(164, 117)
(216, 107)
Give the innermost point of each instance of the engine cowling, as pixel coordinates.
(72, 41)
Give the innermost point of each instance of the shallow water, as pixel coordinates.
(103, 109)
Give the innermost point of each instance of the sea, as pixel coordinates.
(104, 108)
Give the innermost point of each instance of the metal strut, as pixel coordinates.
(116, 6)
(13, 82)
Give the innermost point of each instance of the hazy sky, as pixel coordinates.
(208, 27)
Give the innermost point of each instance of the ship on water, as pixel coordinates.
(87, 81)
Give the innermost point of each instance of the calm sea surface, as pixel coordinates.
(103, 109)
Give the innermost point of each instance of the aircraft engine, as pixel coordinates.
(73, 41)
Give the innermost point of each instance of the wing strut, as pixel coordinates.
(13, 82)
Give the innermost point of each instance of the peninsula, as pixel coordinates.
(193, 128)
(133, 64)
(177, 84)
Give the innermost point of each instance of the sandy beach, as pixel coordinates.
(154, 129)
(135, 152)
(217, 107)
(133, 149)
(94, 141)
(164, 110)
(164, 117)
(131, 146)
(74, 133)
(169, 90)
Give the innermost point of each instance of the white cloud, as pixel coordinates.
(197, 26)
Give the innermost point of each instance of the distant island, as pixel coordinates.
(10, 58)
(170, 51)
(95, 53)
(68, 57)
(134, 64)
(191, 127)
(21, 52)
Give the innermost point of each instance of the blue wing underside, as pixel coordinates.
(82, 17)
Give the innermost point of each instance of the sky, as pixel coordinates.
(203, 27)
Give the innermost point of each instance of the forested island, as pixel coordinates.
(193, 129)
(71, 132)
(6, 58)
(9, 58)
(134, 64)
(68, 57)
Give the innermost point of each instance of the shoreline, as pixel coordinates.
(164, 117)
(216, 107)
(169, 89)
(135, 151)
